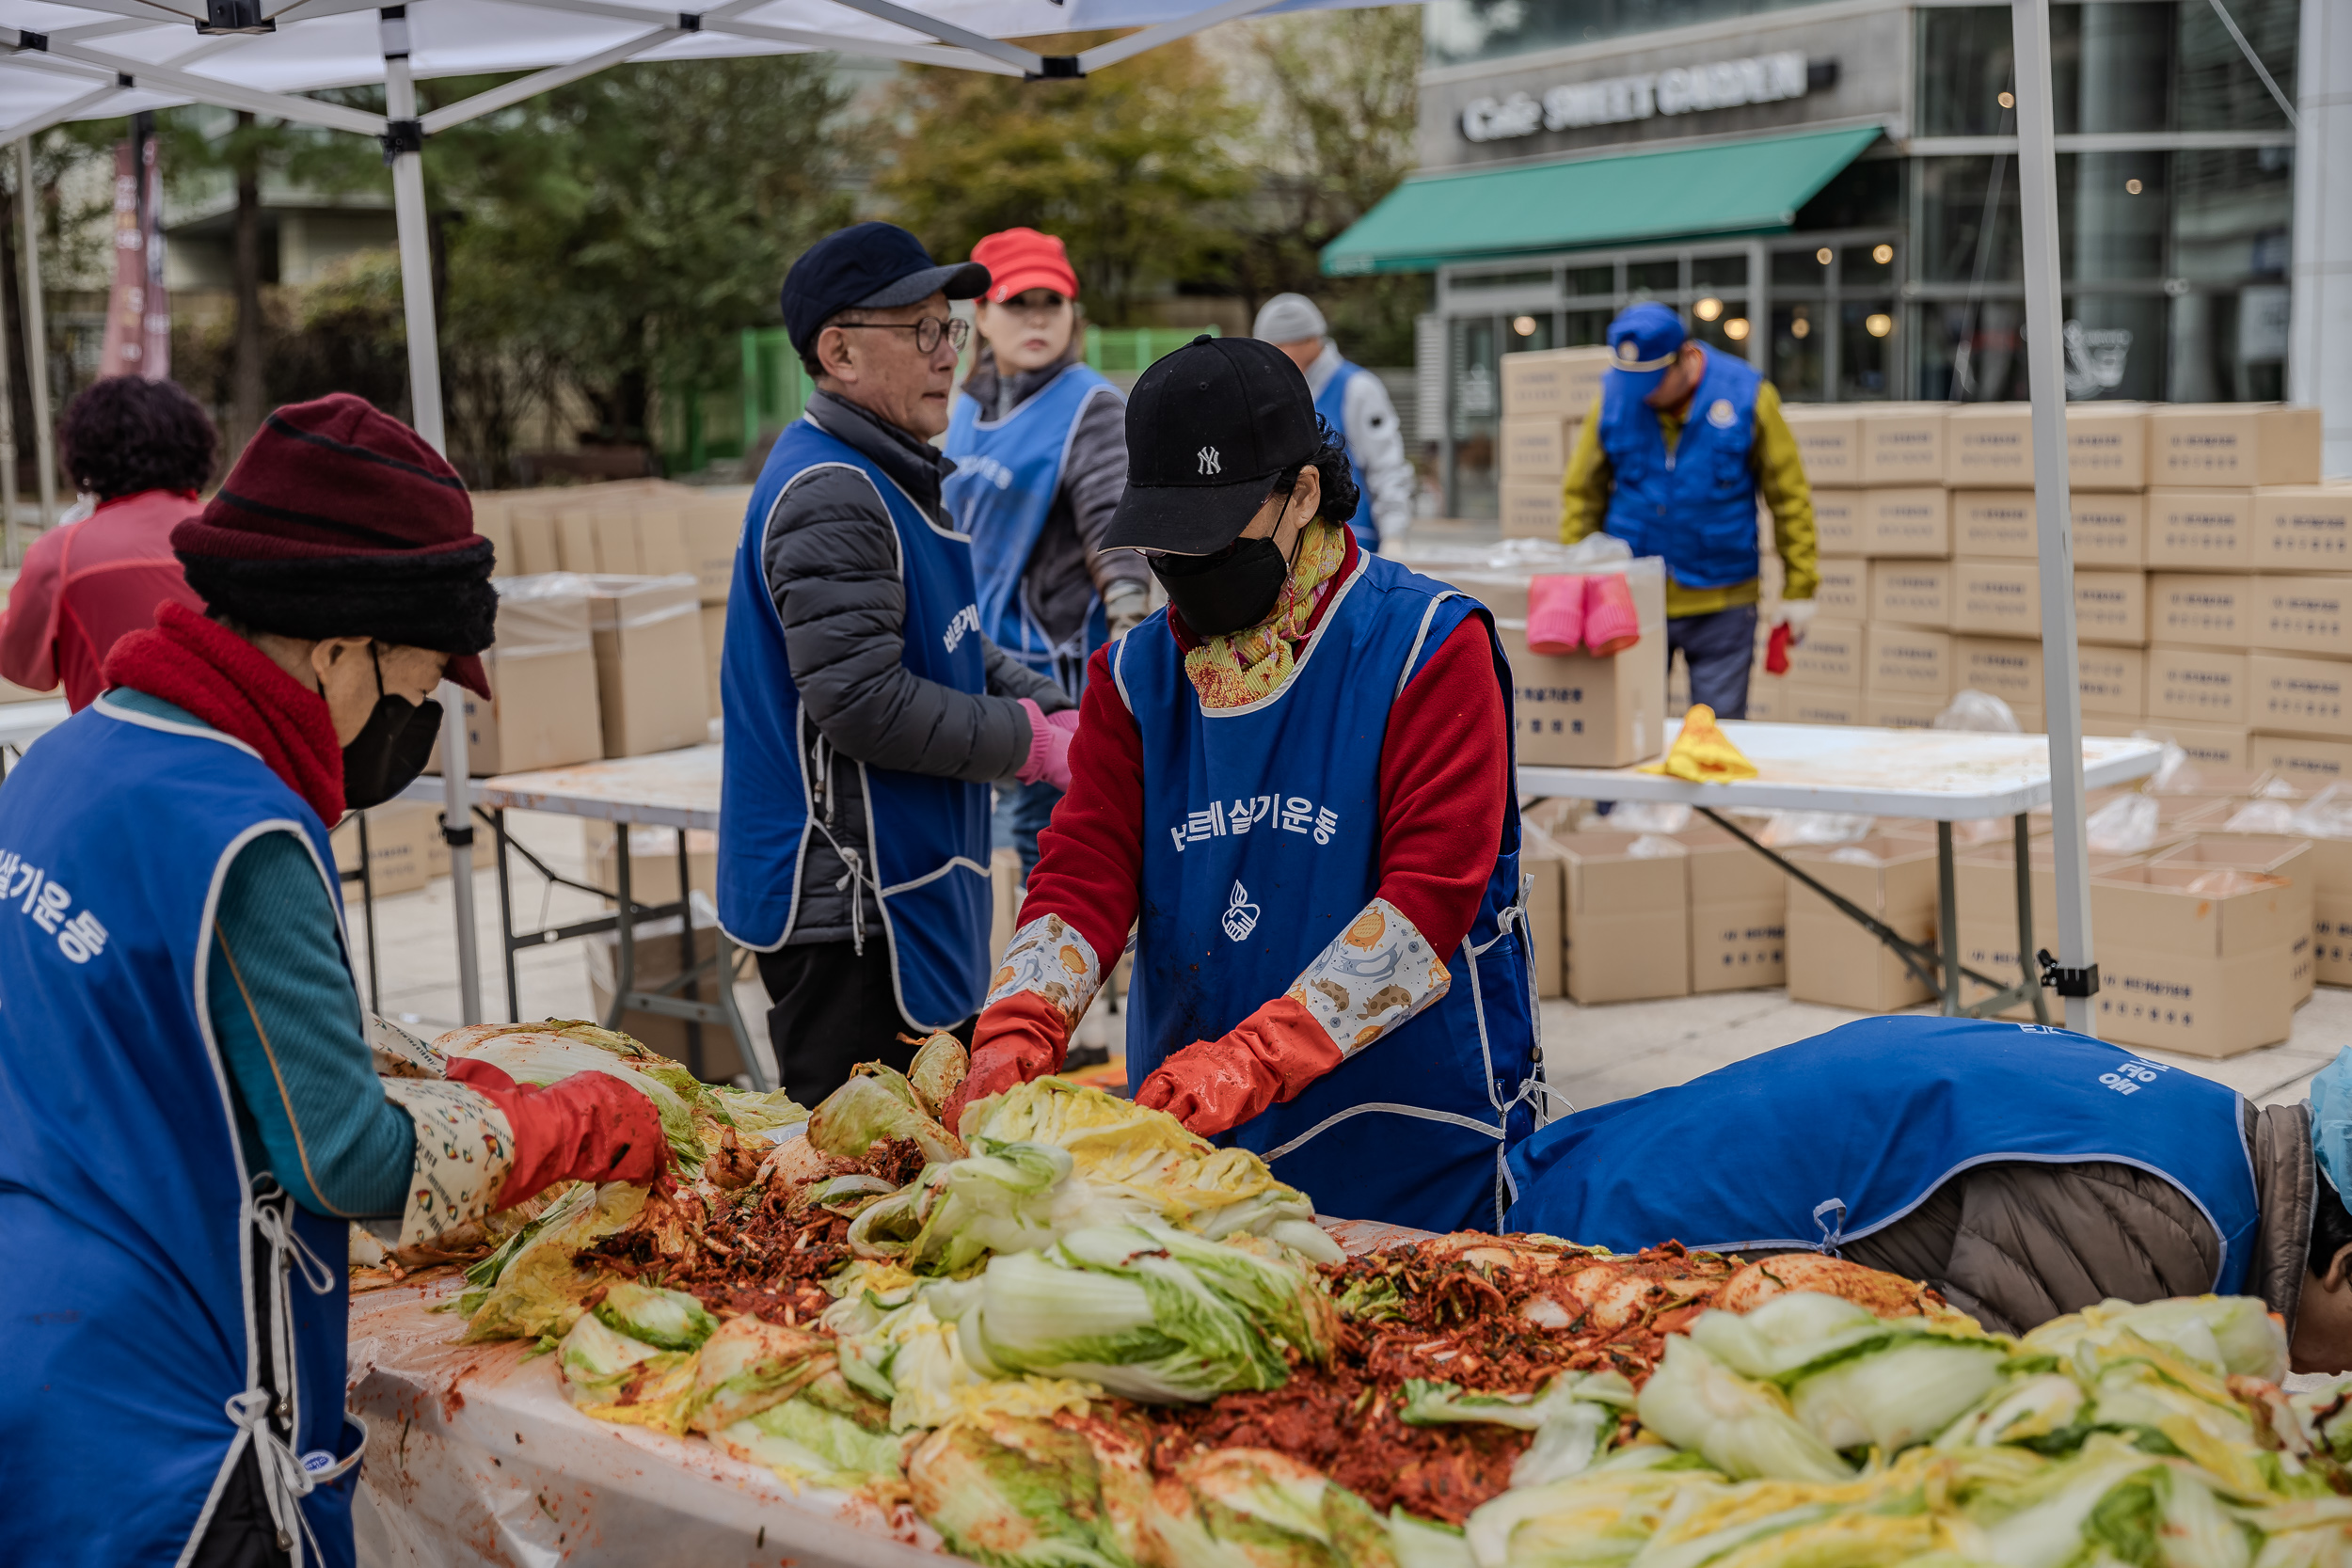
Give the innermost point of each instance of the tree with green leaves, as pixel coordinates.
(1339, 109)
(1136, 167)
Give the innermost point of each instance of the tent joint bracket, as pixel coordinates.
(2068, 982)
(28, 40)
(1056, 68)
(402, 136)
(690, 22)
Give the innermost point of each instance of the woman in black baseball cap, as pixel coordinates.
(1295, 784)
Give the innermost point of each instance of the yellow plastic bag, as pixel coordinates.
(1702, 752)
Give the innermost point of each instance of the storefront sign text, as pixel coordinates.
(1724, 85)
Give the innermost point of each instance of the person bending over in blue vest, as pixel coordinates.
(1039, 442)
(2024, 1171)
(190, 1117)
(1671, 459)
(868, 712)
(1351, 400)
(1293, 783)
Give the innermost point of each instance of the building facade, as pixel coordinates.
(1830, 191)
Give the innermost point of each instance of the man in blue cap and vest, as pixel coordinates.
(1351, 400)
(1682, 442)
(867, 714)
(2024, 1171)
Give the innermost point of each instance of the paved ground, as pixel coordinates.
(1592, 1055)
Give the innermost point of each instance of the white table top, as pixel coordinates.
(668, 789)
(1943, 775)
(22, 723)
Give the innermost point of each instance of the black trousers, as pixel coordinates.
(833, 1008)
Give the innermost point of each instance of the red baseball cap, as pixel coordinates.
(1019, 260)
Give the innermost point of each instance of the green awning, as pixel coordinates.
(1742, 188)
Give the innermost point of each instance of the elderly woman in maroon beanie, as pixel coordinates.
(192, 1117)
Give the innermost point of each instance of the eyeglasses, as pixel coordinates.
(926, 332)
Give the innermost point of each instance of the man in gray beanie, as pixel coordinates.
(1352, 401)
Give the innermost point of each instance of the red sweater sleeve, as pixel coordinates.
(28, 628)
(1446, 774)
(1444, 777)
(1090, 861)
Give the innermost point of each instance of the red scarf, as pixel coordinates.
(231, 684)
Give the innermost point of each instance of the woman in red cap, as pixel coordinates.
(192, 1111)
(1040, 443)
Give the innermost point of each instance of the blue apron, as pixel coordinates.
(1694, 505)
(1835, 1137)
(1261, 843)
(927, 836)
(147, 1287)
(1332, 405)
(1006, 473)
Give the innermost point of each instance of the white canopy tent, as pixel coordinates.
(64, 60)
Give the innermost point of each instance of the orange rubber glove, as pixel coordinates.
(591, 1127)
(1213, 1086)
(1021, 1037)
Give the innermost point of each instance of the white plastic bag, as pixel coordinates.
(1599, 550)
(1977, 711)
(1649, 816)
(2326, 815)
(1854, 854)
(2124, 826)
(2175, 774)
(1797, 828)
(2261, 817)
(1653, 846)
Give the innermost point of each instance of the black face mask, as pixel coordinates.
(1222, 593)
(390, 748)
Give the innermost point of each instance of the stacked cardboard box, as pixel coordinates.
(404, 849)
(2204, 542)
(1546, 395)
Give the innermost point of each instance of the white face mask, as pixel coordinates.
(84, 504)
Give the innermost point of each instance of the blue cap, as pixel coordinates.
(1642, 342)
(2331, 1120)
(876, 265)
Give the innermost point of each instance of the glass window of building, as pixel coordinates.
(1900, 275)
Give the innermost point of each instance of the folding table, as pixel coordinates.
(1946, 776)
(669, 789)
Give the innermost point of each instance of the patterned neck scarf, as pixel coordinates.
(1253, 662)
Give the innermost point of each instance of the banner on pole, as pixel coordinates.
(138, 311)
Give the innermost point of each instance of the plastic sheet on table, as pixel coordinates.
(1792, 829)
(2124, 826)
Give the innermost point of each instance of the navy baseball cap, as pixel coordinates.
(1642, 343)
(1210, 428)
(873, 266)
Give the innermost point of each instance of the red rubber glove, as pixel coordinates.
(1213, 1086)
(591, 1127)
(1022, 1036)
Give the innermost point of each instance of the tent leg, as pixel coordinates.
(2037, 172)
(37, 337)
(10, 558)
(424, 405)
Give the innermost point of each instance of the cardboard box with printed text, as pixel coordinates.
(1837, 520)
(1531, 508)
(2301, 613)
(651, 681)
(2293, 860)
(1912, 594)
(2237, 444)
(1902, 443)
(1914, 521)
(2301, 696)
(2185, 968)
(2203, 686)
(1536, 446)
(2203, 610)
(1844, 593)
(1830, 655)
(2305, 527)
(2202, 530)
(405, 848)
(1739, 913)
(1991, 445)
(1908, 661)
(1628, 917)
(1557, 381)
(543, 711)
(1829, 440)
(1834, 961)
(1579, 711)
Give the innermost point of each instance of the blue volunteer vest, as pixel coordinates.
(1835, 1137)
(1694, 505)
(1006, 473)
(126, 1210)
(927, 836)
(1332, 405)
(1261, 843)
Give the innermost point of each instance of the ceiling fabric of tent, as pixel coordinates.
(61, 61)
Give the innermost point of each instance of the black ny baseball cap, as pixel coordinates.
(1209, 429)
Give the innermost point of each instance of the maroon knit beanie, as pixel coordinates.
(340, 521)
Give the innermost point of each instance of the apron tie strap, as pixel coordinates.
(1832, 1232)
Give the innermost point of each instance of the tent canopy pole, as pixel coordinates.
(2037, 172)
(35, 336)
(404, 140)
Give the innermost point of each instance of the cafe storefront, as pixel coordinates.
(1830, 191)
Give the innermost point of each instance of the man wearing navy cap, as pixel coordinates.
(1671, 459)
(866, 714)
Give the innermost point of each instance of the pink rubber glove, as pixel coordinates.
(1049, 746)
